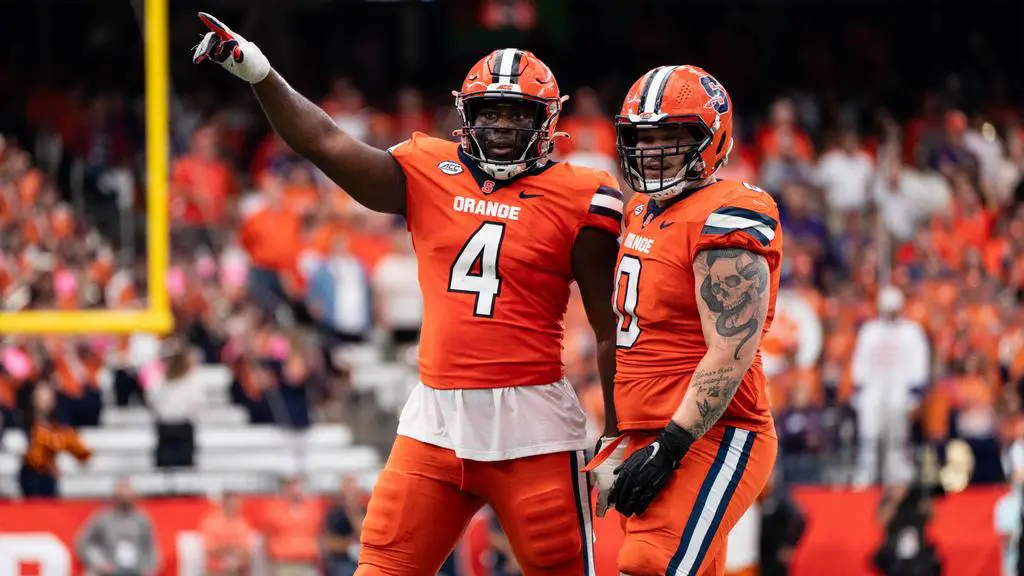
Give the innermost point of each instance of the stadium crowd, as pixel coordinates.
(264, 246)
(275, 271)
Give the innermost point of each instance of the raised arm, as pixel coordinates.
(732, 299)
(367, 174)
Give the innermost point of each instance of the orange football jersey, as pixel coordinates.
(495, 262)
(659, 338)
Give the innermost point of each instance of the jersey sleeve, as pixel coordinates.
(407, 153)
(606, 207)
(406, 148)
(745, 222)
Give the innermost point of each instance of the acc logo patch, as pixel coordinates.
(639, 208)
(450, 167)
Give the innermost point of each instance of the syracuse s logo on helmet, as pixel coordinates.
(450, 167)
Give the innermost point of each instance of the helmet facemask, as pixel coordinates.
(670, 161)
(506, 134)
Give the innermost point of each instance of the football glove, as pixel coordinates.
(642, 476)
(236, 54)
(603, 475)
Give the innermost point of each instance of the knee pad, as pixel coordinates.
(549, 526)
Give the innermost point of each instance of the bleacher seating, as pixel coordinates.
(230, 453)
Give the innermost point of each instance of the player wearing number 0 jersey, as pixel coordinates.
(500, 234)
(697, 275)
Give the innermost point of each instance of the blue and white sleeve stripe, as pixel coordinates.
(728, 219)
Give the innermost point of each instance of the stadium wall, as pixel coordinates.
(37, 538)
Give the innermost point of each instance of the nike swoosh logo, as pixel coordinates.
(656, 446)
(664, 225)
(523, 195)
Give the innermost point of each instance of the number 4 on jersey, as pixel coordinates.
(627, 282)
(482, 279)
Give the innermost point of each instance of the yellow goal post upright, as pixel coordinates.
(157, 317)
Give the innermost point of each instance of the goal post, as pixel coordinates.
(157, 317)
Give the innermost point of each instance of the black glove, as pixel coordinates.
(639, 479)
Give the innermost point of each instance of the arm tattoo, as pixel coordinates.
(713, 390)
(734, 285)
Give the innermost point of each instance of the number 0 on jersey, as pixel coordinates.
(627, 293)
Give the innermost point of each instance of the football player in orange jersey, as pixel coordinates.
(500, 233)
(697, 275)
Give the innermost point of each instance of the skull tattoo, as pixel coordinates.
(732, 290)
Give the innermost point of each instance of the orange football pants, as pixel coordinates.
(686, 527)
(426, 495)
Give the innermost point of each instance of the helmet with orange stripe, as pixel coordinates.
(509, 105)
(674, 130)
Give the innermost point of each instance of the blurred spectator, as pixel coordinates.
(1009, 510)
(130, 354)
(741, 165)
(844, 173)
(410, 115)
(342, 526)
(103, 147)
(271, 235)
(177, 398)
(505, 563)
(785, 166)
(783, 137)
(975, 417)
(586, 154)
(339, 294)
(908, 549)
(801, 428)
(891, 368)
(227, 538)
(344, 103)
(292, 527)
(397, 290)
(76, 373)
(1010, 168)
(951, 153)
(782, 528)
(296, 379)
(119, 540)
(591, 132)
(982, 140)
(202, 186)
(804, 228)
(905, 196)
(796, 338)
(499, 14)
(47, 438)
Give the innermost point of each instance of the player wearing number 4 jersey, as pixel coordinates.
(500, 234)
(697, 275)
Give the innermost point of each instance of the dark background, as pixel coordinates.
(852, 57)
